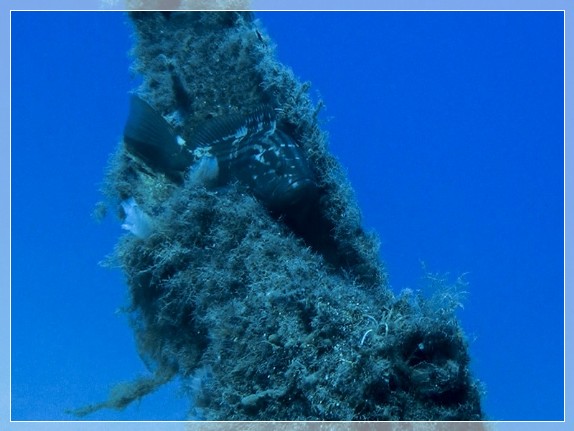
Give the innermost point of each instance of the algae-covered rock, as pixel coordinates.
(267, 315)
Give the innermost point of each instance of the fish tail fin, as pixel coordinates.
(150, 137)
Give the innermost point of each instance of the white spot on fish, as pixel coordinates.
(240, 134)
(272, 127)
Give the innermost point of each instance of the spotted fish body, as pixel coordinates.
(252, 150)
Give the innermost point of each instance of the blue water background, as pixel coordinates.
(450, 126)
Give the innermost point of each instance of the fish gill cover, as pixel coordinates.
(265, 310)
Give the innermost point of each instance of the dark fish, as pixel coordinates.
(257, 153)
(252, 150)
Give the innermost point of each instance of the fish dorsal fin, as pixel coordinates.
(234, 128)
(149, 136)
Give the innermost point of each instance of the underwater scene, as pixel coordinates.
(342, 216)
